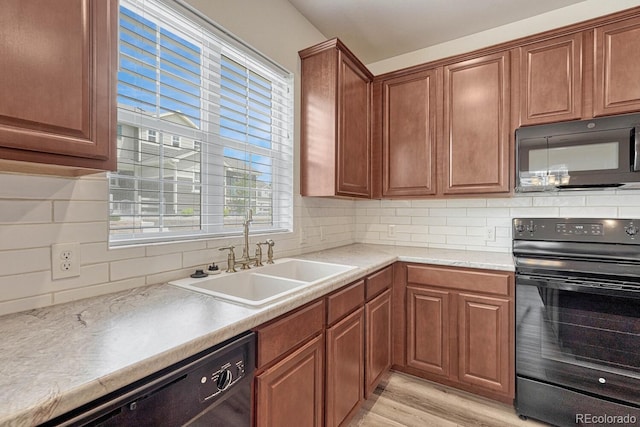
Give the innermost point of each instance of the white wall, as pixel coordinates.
(37, 211)
(463, 223)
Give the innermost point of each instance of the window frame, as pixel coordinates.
(205, 144)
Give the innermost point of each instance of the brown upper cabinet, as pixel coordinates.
(475, 145)
(551, 80)
(409, 130)
(447, 127)
(58, 86)
(335, 154)
(616, 65)
(581, 75)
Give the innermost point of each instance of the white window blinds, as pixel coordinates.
(204, 130)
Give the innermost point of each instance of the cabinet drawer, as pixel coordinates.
(378, 282)
(285, 333)
(344, 301)
(466, 279)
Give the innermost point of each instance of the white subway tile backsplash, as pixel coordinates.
(64, 211)
(466, 203)
(89, 275)
(448, 212)
(37, 211)
(143, 266)
(25, 285)
(448, 230)
(22, 304)
(629, 212)
(395, 219)
(560, 201)
(95, 290)
(620, 199)
(589, 212)
(541, 212)
(93, 253)
(489, 212)
(429, 220)
(461, 223)
(24, 261)
(429, 203)
(25, 211)
(413, 212)
(513, 202)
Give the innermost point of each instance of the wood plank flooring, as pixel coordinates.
(403, 400)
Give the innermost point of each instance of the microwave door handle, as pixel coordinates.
(636, 149)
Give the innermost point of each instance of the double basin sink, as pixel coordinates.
(264, 285)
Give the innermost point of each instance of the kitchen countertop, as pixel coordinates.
(57, 358)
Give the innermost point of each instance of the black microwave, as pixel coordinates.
(586, 154)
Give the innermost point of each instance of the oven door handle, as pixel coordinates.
(600, 288)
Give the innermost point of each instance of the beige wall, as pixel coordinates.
(567, 15)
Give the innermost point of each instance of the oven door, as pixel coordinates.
(580, 335)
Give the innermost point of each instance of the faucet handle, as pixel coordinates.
(231, 259)
(271, 244)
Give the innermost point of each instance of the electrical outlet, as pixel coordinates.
(391, 230)
(303, 236)
(65, 260)
(490, 234)
(322, 237)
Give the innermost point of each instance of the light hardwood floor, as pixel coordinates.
(403, 400)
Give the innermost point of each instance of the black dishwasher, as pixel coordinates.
(212, 388)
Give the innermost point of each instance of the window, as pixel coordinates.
(204, 130)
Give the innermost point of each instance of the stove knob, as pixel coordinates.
(631, 230)
(224, 379)
(519, 227)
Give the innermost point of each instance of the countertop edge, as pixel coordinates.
(58, 404)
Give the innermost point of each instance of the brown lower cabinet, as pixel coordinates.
(290, 392)
(315, 363)
(345, 368)
(459, 329)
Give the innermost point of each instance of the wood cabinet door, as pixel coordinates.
(551, 80)
(290, 393)
(616, 65)
(428, 330)
(409, 126)
(483, 342)
(58, 73)
(378, 340)
(476, 140)
(354, 140)
(345, 368)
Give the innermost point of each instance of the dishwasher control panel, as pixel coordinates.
(221, 377)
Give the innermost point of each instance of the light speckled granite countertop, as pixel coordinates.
(57, 358)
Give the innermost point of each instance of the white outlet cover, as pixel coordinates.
(65, 260)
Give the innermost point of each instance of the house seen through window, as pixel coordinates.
(204, 131)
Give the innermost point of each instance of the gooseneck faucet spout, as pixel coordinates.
(248, 220)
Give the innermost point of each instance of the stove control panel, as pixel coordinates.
(626, 231)
(579, 229)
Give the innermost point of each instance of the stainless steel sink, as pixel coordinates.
(263, 285)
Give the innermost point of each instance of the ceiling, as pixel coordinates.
(380, 29)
